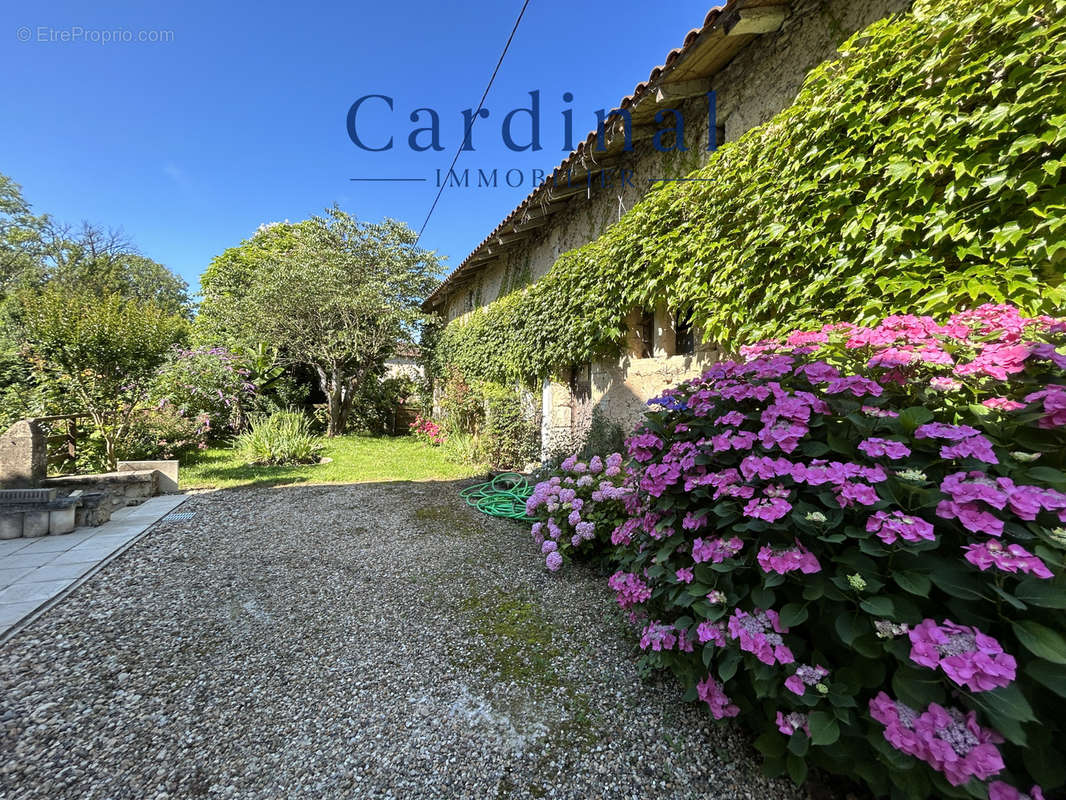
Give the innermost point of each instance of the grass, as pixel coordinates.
(356, 459)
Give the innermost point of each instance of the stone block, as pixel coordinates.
(10, 524)
(61, 520)
(167, 477)
(35, 523)
(23, 456)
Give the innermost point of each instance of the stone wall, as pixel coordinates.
(763, 79)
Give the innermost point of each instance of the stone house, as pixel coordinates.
(745, 64)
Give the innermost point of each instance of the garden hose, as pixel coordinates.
(504, 496)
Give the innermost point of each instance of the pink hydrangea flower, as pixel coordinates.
(971, 516)
(631, 590)
(804, 676)
(769, 509)
(1012, 558)
(878, 448)
(788, 560)
(711, 632)
(947, 739)
(788, 724)
(1002, 404)
(1054, 405)
(998, 790)
(658, 636)
(889, 527)
(684, 575)
(852, 493)
(967, 656)
(759, 633)
(715, 550)
(710, 691)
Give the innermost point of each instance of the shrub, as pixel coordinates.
(284, 437)
(578, 509)
(428, 430)
(376, 403)
(511, 439)
(853, 541)
(922, 165)
(209, 384)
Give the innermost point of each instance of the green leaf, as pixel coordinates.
(913, 582)
(797, 769)
(1041, 640)
(799, 743)
(1039, 592)
(877, 606)
(771, 744)
(824, 728)
(1048, 675)
(1008, 701)
(793, 614)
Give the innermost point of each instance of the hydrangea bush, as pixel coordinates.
(853, 541)
(578, 509)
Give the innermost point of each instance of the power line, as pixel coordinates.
(473, 120)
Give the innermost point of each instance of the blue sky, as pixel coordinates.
(189, 144)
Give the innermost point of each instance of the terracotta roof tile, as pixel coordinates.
(709, 23)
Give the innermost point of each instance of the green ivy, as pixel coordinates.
(918, 172)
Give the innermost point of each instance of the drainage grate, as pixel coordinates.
(179, 516)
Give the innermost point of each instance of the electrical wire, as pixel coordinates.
(473, 120)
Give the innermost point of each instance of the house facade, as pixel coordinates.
(745, 64)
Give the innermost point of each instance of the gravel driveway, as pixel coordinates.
(346, 642)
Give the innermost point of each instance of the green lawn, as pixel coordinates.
(356, 459)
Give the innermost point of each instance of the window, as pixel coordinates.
(647, 334)
(581, 382)
(684, 337)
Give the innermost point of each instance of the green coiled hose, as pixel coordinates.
(504, 496)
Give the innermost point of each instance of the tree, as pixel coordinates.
(104, 350)
(21, 235)
(103, 261)
(332, 294)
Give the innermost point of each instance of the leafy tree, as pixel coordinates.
(92, 259)
(103, 350)
(20, 238)
(331, 293)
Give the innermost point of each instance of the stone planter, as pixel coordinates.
(35, 523)
(10, 524)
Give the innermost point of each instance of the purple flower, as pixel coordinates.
(733, 418)
(889, 527)
(788, 724)
(1012, 558)
(760, 633)
(631, 590)
(804, 676)
(769, 509)
(715, 550)
(711, 632)
(971, 516)
(851, 493)
(554, 561)
(998, 790)
(967, 656)
(548, 547)
(684, 575)
(658, 637)
(856, 385)
(710, 691)
(788, 560)
(878, 448)
(947, 739)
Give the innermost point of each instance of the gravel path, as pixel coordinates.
(345, 642)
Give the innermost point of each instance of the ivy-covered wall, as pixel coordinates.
(919, 171)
